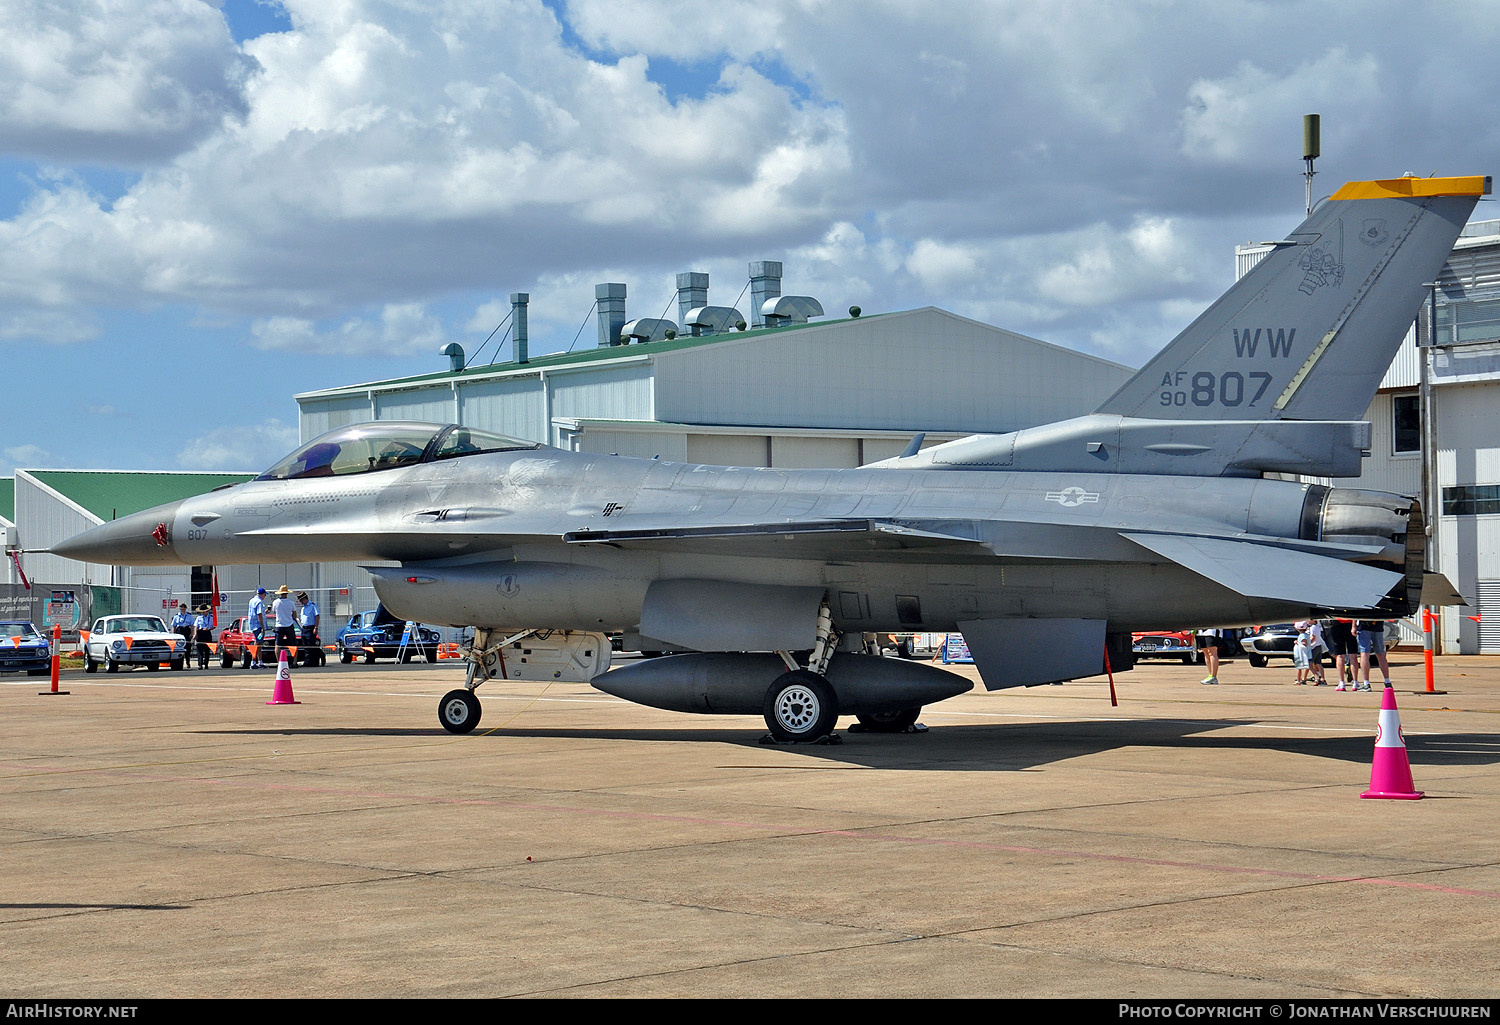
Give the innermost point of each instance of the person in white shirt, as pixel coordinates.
(284, 610)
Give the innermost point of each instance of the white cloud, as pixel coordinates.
(402, 329)
(132, 81)
(241, 448)
(1255, 115)
(25, 457)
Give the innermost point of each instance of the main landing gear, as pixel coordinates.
(801, 706)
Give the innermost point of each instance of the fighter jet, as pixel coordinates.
(1045, 547)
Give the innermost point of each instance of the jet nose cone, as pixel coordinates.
(139, 539)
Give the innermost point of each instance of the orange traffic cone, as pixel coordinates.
(282, 694)
(1390, 774)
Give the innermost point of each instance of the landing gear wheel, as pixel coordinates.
(459, 711)
(1257, 661)
(890, 722)
(800, 706)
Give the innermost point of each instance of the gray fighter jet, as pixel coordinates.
(1046, 547)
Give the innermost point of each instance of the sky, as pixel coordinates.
(207, 207)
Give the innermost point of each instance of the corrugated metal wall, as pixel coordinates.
(918, 370)
(611, 391)
(319, 416)
(434, 405)
(513, 406)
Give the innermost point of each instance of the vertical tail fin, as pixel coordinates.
(1308, 333)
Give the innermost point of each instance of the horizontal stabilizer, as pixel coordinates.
(1280, 574)
(1437, 589)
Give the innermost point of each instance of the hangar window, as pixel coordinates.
(1406, 424)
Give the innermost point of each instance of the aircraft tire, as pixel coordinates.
(890, 722)
(800, 706)
(459, 711)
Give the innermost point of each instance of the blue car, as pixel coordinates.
(22, 647)
(377, 634)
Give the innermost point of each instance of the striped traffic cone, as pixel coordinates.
(282, 694)
(1390, 774)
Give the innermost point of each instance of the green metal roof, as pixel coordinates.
(564, 359)
(112, 493)
(8, 499)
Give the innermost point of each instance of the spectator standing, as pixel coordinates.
(284, 611)
(182, 623)
(1302, 652)
(255, 622)
(1370, 634)
(203, 633)
(307, 619)
(1211, 643)
(1345, 649)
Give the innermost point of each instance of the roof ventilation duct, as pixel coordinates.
(610, 299)
(790, 309)
(518, 301)
(765, 285)
(455, 354)
(692, 292)
(646, 329)
(712, 320)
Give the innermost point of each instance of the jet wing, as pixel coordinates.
(810, 539)
(1281, 574)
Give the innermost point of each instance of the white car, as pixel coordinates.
(117, 641)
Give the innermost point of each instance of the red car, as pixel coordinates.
(235, 642)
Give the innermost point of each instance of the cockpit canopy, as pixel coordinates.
(384, 445)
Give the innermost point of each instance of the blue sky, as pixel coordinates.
(205, 208)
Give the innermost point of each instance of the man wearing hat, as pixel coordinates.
(203, 630)
(307, 619)
(255, 622)
(284, 611)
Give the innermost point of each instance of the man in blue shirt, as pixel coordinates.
(307, 619)
(255, 622)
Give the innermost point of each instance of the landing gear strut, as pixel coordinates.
(801, 706)
(459, 710)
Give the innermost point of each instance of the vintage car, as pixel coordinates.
(377, 634)
(1178, 644)
(235, 643)
(116, 641)
(23, 648)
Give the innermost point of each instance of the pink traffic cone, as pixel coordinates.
(1390, 774)
(282, 694)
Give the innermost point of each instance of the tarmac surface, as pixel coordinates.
(170, 834)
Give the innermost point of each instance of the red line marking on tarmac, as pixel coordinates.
(1050, 852)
